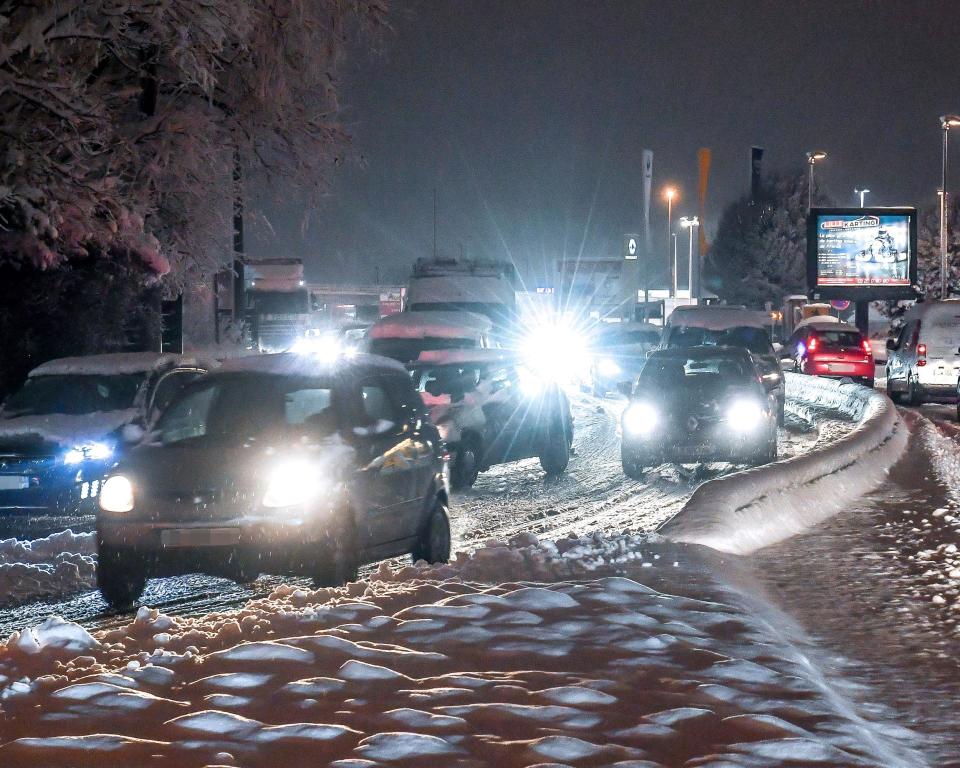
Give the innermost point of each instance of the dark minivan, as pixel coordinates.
(279, 463)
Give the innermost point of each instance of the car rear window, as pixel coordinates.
(753, 339)
(840, 339)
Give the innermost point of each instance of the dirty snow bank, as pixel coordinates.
(59, 564)
(427, 667)
(744, 511)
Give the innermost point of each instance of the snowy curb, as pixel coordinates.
(745, 511)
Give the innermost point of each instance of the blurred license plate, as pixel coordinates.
(199, 537)
(13, 482)
(839, 367)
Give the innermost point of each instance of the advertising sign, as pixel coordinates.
(862, 254)
(631, 244)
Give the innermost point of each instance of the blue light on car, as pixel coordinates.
(88, 452)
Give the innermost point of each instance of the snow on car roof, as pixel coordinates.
(292, 364)
(718, 318)
(819, 320)
(421, 325)
(923, 308)
(459, 356)
(112, 364)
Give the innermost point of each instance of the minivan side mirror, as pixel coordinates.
(891, 344)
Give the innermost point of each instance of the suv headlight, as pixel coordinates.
(116, 494)
(88, 451)
(640, 419)
(745, 415)
(608, 367)
(291, 483)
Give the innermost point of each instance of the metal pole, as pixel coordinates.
(810, 161)
(690, 262)
(943, 215)
(674, 270)
(669, 233)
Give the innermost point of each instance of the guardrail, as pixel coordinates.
(744, 511)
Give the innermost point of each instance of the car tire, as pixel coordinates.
(243, 568)
(632, 466)
(868, 382)
(913, 395)
(781, 413)
(434, 544)
(121, 577)
(466, 467)
(556, 454)
(337, 563)
(896, 397)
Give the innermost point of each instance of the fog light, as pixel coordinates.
(116, 494)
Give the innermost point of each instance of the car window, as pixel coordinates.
(74, 394)
(188, 417)
(376, 404)
(169, 386)
(746, 337)
(839, 339)
(663, 373)
(310, 404)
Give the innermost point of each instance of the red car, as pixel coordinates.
(832, 349)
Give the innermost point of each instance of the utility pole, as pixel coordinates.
(670, 193)
(434, 223)
(946, 123)
(812, 157)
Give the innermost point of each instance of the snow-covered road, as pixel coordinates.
(593, 495)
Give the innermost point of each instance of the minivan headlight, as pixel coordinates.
(116, 494)
(88, 451)
(640, 419)
(291, 482)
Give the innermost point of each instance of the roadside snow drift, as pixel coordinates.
(422, 667)
(744, 511)
(59, 564)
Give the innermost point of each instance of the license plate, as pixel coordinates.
(839, 368)
(199, 537)
(13, 482)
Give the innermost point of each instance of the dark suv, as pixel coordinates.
(281, 463)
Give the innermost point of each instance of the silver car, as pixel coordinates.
(923, 362)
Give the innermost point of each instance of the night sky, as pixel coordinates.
(529, 116)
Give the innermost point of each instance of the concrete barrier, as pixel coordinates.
(747, 510)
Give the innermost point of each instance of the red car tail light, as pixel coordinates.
(812, 344)
(922, 350)
(867, 348)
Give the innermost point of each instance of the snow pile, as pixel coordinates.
(747, 510)
(436, 672)
(59, 564)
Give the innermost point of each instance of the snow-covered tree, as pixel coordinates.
(123, 121)
(759, 252)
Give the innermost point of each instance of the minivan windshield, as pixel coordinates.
(746, 337)
(234, 409)
(74, 394)
(670, 372)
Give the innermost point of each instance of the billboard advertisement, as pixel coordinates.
(862, 253)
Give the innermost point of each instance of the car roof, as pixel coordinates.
(439, 324)
(463, 356)
(924, 308)
(292, 364)
(117, 363)
(720, 318)
(696, 353)
(836, 325)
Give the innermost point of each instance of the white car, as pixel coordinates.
(923, 362)
(403, 336)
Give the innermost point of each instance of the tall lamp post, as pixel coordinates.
(670, 193)
(812, 157)
(674, 270)
(690, 224)
(862, 193)
(946, 123)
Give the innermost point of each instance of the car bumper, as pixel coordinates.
(732, 448)
(840, 369)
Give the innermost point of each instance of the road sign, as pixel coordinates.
(631, 245)
(840, 304)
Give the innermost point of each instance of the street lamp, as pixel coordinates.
(670, 193)
(946, 123)
(861, 192)
(690, 224)
(812, 157)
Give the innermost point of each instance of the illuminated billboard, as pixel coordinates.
(862, 253)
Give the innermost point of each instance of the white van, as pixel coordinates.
(923, 362)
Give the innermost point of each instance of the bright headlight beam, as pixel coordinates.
(640, 419)
(608, 367)
(116, 494)
(88, 451)
(291, 482)
(744, 415)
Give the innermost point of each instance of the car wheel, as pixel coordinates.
(466, 467)
(893, 395)
(243, 568)
(337, 563)
(632, 466)
(121, 577)
(913, 393)
(434, 542)
(556, 454)
(868, 382)
(781, 413)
